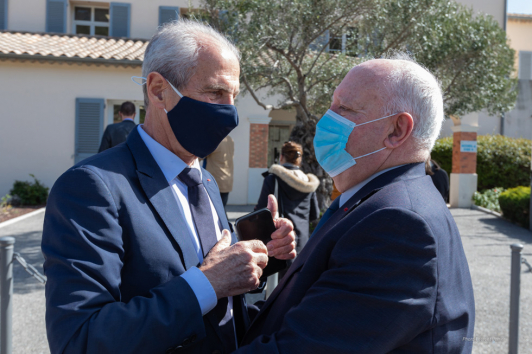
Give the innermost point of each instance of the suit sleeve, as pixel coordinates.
(376, 293)
(106, 140)
(84, 254)
(268, 187)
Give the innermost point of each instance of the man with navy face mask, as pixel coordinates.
(139, 254)
(384, 271)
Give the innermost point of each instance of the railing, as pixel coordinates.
(7, 256)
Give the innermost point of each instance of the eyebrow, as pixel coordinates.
(222, 88)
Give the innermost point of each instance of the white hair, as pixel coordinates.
(173, 51)
(412, 88)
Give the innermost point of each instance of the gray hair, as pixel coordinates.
(173, 51)
(412, 88)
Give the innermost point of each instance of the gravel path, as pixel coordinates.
(486, 240)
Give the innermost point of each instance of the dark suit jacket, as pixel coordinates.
(387, 274)
(115, 244)
(115, 134)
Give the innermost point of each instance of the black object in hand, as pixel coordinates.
(259, 225)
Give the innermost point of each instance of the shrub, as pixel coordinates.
(489, 199)
(515, 205)
(30, 193)
(501, 161)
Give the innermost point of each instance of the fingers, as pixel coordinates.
(272, 206)
(284, 226)
(286, 256)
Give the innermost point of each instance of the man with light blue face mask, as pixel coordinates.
(384, 271)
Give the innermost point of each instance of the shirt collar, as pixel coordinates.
(168, 162)
(345, 196)
(127, 119)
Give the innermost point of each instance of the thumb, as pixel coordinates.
(272, 206)
(225, 241)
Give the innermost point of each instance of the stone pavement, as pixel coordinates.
(486, 240)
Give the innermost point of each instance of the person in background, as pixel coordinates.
(117, 133)
(295, 192)
(220, 165)
(439, 178)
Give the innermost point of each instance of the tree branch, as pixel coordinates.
(286, 104)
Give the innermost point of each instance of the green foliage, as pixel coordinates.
(515, 205)
(501, 161)
(442, 153)
(30, 193)
(489, 199)
(285, 53)
(5, 203)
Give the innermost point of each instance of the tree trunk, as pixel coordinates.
(303, 133)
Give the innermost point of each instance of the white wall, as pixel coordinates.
(37, 133)
(494, 8)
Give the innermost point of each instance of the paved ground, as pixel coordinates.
(486, 242)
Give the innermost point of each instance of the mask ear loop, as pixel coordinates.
(179, 93)
(143, 80)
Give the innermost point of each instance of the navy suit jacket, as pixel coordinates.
(386, 273)
(115, 244)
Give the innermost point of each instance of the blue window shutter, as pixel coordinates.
(167, 14)
(525, 65)
(89, 126)
(56, 16)
(3, 15)
(120, 14)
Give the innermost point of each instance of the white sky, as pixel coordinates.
(520, 6)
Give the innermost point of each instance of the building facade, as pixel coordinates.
(66, 66)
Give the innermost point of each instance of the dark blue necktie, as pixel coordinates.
(200, 207)
(332, 208)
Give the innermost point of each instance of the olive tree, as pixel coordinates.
(300, 50)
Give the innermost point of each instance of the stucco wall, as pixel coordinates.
(519, 33)
(38, 114)
(494, 8)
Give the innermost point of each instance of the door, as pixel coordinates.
(278, 135)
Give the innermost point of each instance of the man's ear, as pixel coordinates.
(155, 86)
(399, 131)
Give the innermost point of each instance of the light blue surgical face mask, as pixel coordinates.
(332, 133)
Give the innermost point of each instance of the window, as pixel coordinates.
(525, 65)
(91, 21)
(140, 117)
(347, 43)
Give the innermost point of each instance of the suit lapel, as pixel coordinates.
(161, 197)
(400, 173)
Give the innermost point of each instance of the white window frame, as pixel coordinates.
(92, 23)
(344, 43)
(110, 110)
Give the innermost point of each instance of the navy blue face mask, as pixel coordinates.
(200, 126)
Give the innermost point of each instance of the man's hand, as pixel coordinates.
(234, 270)
(282, 245)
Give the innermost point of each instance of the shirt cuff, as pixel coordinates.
(202, 288)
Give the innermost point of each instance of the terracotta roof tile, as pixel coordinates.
(58, 46)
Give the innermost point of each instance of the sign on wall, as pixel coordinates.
(468, 146)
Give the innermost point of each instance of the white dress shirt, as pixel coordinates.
(345, 196)
(172, 166)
